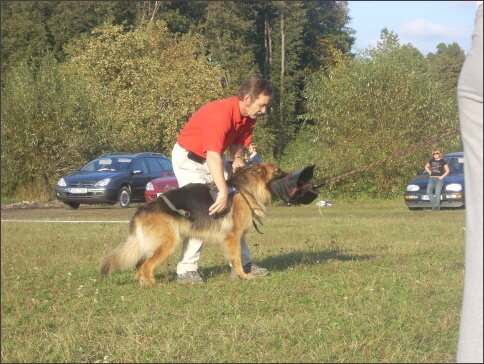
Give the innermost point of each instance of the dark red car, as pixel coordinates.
(160, 185)
(167, 182)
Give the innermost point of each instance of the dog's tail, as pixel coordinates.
(125, 255)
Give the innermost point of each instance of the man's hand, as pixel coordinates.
(220, 203)
(236, 152)
(215, 166)
(237, 163)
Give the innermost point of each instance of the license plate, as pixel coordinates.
(78, 190)
(425, 198)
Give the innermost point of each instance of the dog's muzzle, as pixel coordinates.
(296, 187)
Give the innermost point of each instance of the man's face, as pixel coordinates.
(254, 108)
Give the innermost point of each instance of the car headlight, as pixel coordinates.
(61, 182)
(102, 183)
(149, 187)
(413, 188)
(454, 187)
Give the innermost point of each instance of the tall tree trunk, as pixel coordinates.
(267, 44)
(281, 82)
(155, 10)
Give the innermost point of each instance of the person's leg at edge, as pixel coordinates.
(470, 97)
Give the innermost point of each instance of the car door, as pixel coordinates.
(140, 177)
(145, 170)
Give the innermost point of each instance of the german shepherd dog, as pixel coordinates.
(159, 226)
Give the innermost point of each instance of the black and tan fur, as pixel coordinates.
(156, 230)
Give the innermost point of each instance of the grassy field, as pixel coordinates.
(365, 281)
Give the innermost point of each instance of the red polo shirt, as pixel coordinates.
(216, 126)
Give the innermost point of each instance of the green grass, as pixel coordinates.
(361, 281)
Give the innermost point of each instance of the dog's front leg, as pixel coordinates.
(232, 244)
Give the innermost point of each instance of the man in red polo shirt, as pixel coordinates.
(198, 157)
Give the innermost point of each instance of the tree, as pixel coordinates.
(50, 126)
(229, 29)
(180, 16)
(388, 41)
(445, 65)
(381, 102)
(150, 82)
(299, 37)
(326, 34)
(23, 32)
(148, 65)
(31, 29)
(286, 29)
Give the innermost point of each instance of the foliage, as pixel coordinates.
(229, 30)
(445, 65)
(23, 32)
(325, 33)
(142, 68)
(362, 111)
(246, 38)
(49, 126)
(287, 27)
(31, 29)
(149, 81)
(114, 95)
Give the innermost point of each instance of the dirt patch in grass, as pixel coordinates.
(56, 210)
(33, 205)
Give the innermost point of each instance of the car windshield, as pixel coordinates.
(105, 164)
(456, 164)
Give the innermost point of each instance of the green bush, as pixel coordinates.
(49, 127)
(370, 108)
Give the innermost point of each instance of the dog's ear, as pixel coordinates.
(267, 171)
(275, 171)
(259, 169)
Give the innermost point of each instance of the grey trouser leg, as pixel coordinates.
(470, 113)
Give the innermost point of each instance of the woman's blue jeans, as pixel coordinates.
(434, 190)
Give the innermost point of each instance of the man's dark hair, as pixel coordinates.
(254, 86)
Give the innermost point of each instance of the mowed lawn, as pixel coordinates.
(359, 281)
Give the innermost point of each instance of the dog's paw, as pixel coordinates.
(147, 282)
(244, 276)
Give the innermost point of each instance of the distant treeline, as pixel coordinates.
(83, 78)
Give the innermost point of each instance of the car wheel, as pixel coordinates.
(72, 205)
(124, 197)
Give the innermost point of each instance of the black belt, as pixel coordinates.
(195, 157)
